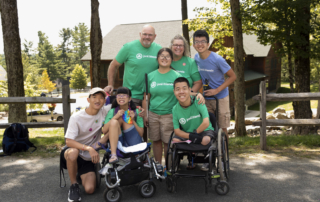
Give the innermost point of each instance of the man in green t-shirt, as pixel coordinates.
(139, 57)
(190, 119)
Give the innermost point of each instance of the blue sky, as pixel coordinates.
(51, 16)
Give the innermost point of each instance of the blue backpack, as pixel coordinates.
(16, 139)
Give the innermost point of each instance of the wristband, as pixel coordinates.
(83, 147)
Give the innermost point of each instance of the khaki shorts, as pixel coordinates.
(160, 127)
(224, 111)
(137, 102)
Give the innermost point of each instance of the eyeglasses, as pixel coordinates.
(200, 42)
(147, 35)
(178, 46)
(122, 96)
(165, 57)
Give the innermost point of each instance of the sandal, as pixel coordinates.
(190, 167)
(114, 159)
(98, 146)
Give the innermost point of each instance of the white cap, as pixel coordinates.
(96, 90)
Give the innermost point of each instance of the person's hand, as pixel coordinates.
(132, 114)
(141, 111)
(211, 92)
(119, 113)
(108, 89)
(95, 158)
(146, 122)
(200, 99)
(195, 138)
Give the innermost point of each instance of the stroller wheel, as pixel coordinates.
(171, 185)
(112, 195)
(147, 189)
(222, 188)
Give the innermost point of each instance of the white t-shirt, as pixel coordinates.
(86, 129)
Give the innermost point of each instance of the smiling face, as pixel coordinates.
(182, 92)
(178, 47)
(164, 59)
(123, 99)
(96, 101)
(201, 44)
(147, 36)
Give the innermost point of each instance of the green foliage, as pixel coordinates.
(78, 78)
(46, 83)
(30, 90)
(4, 93)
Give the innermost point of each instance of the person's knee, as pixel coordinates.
(72, 154)
(89, 189)
(205, 140)
(114, 122)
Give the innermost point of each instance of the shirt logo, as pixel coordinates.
(182, 121)
(153, 84)
(184, 64)
(139, 56)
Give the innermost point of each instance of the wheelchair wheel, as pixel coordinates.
(97, 167)
(112, 195)
(225, 156)
(171, 185)
(222, 188)
(147, 189)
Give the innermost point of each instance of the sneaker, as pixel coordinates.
(74, 193)
(205, 167)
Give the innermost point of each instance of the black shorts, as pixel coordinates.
(209, 133)
(83, 165)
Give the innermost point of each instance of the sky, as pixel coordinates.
(51, 16)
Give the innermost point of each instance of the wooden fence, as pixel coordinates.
(65, 100)
(263, 97)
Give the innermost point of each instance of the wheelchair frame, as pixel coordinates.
(218, 149)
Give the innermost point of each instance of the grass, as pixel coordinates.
(285, 88)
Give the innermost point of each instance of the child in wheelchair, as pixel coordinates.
(192, 125)
(126, 161)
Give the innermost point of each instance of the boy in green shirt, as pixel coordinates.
(191, 116)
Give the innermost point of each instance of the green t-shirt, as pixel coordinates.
(190, 118)
(160, 86)
(111, 114)
(138, 61)
(188, 68)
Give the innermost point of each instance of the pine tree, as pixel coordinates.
(46, 83)
(78, 78)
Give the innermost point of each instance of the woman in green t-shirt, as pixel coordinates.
(162, 100)
(183, 64)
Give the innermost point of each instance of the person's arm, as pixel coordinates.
(93, 153)
(199, 97)
(181, 133)
(204, 125)
(112, 71)
(232, 77)
(196, 86)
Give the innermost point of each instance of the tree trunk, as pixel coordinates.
(95, 44)
(184, 12)
(12, 51)
(290, 70)
(302, 110)
(239, 84)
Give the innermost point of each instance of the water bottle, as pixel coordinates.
(165, 171)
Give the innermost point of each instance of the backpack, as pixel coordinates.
(16, 139)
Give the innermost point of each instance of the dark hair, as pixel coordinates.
(201, 33)
(165, 49)
(127, 91)
(180, 80)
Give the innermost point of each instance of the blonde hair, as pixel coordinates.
(185, 43)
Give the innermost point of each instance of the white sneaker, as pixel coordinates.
(205, 167)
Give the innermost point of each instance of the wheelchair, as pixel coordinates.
(132, 168)
(216, 153)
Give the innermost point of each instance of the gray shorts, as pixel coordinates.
(209, 133)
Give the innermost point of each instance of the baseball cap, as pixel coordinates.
(97, 90)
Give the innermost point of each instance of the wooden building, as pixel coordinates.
(261, 62)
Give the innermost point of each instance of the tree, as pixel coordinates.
(46, 83)
(31, 91)
(184, 13)
(78, 78)
(95, 43)
(239, 84)
(12, 51)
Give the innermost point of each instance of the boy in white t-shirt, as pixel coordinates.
(82, 137)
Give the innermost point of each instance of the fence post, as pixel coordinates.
(66, 106)
(263, 116)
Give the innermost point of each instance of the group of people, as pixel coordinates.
(173, 82)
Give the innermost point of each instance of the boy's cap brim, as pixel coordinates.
(97, 90)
